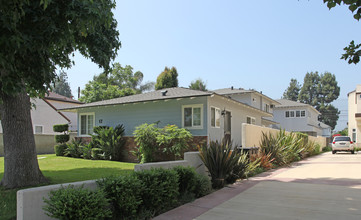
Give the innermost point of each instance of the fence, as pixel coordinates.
(44, 143)
(252, 135)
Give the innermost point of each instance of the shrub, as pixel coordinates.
(187, 179)
(146, 139)
(203, 186)
(77, 203)
(62, 138)
(269, 145)
(61, 128)
(328, 148)
(97, 153)
(60, 149)
(73, 149)
(86, 151)
(174, 140)
(265, 161)
(110, 140)
(160, 189)
(220, 161)
(125, 194)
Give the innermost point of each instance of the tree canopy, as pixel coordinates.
(118, 83)
(167, 79)
(61, 85)
(198, 84)
(37, 37)
(352, 52)
(291, 93)
(318, 90)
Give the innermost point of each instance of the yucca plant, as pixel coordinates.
(270, 145)
(220, 160)
(243, 167)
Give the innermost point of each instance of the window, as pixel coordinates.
(303, 113)
(192, 116)
(251, 120)
(87, 121)
(38, 129)
(292, 114)
(215, 117)
(298, 114)
(287, 114)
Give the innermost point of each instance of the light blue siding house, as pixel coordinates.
(207, 115)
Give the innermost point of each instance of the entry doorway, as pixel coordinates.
(227, 127)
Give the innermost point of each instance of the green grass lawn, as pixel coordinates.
(62, 170)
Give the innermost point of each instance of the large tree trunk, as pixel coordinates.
(21, 166)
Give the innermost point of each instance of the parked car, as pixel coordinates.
(342, 143)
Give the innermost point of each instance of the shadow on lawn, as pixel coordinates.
(82, 174)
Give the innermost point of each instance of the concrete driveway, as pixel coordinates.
(322, 187)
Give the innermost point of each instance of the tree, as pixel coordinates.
(352, 52)
(61, 85)
(198, 84)
(291, 93)
(318, 91)
(37, 37)
(120, 82)
(309, 92)
(167, 79)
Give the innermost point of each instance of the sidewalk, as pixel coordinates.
(323, 187)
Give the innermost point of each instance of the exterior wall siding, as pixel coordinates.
(239, 115)
(133, 115)
(354, 106)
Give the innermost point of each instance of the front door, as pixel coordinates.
(227, 127)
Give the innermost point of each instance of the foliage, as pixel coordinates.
(282, 148)
(187, 179)
(62, 138)
(77, 203)
(61, 128)
(220, 160)
(265, 160)
(352, 52)
(124, 193)
(120, 82)
(86, 151)
(38, 37)
(327, 148)
(203, 186)
(97, 153)
(150, 139)
(243, 168)
(291, 93)
(318, 90)
(146, 139)
(73, 149)
(167, 79)
(60, 149)
(61, 85)
(160, 189)
(174, 140)
(198, 84)
(110, 140)
(344, 132)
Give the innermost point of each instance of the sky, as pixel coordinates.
(236, 43)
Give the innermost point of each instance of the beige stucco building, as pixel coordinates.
(354, 115)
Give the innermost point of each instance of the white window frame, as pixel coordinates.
(193, 106)
(215, 117)
(42, 129)
(79, 123)
(252, 119)
(286, 114)
(266, 108)
(304, 115)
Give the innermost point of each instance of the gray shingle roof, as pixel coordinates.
(227, 91)
(172, 93)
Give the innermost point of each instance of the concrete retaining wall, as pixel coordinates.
(44, 143)
(252, 135)
(30, 201)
